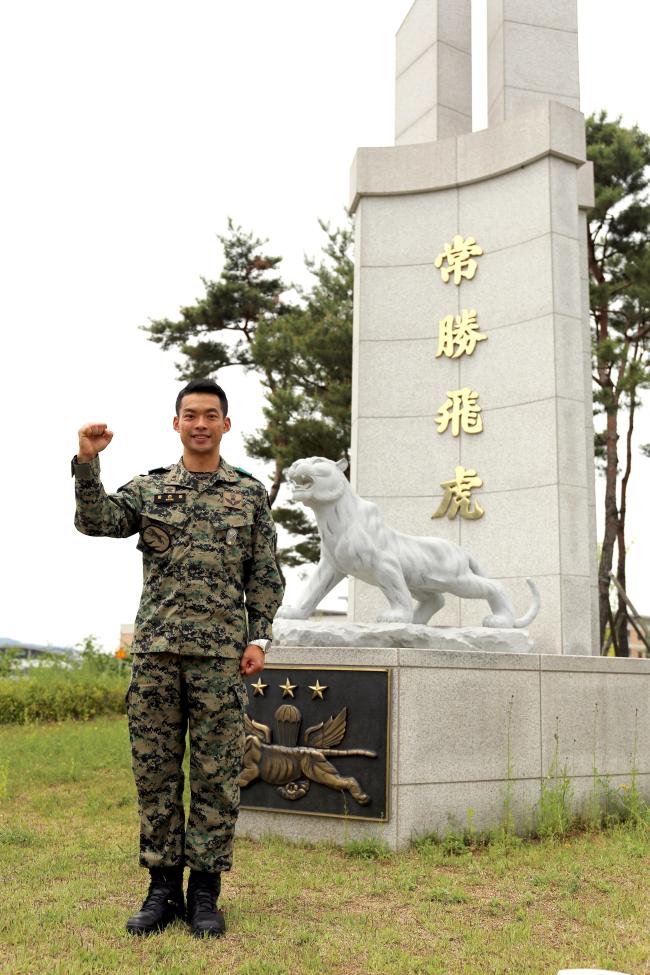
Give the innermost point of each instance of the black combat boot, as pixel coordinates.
(203, 889)
(163, 904)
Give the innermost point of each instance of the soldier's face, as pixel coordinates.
(201, 423)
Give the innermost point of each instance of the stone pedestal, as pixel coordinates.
(334, 633)
(473, 731)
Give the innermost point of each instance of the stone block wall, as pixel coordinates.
(472, 730)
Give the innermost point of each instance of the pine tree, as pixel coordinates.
(218, 329)
(301, 350)
(305, 358)
(619, 265)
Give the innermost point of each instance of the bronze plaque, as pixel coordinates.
(317, 742)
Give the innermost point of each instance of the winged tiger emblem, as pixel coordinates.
(293, 767)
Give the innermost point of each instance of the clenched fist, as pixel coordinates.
(93, 437)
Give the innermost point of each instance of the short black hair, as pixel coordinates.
(203, 386)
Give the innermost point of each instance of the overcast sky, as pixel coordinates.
(131, 132)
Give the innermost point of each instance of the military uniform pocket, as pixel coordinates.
(241, 694)
(160, 529)
(138, 687)
(233, 536)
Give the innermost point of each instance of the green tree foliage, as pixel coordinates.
(619, 265)
(301, 349)
(217, 330)
(306, 359)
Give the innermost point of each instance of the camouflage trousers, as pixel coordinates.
(168, 694)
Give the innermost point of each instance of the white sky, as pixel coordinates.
(131, 131)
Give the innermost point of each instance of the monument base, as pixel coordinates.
(473, 735)
(337, 632)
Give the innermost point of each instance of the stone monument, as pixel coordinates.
(472, 414)
(472, 423)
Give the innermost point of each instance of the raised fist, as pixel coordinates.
(93, 437)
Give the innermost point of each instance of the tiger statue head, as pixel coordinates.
(317, 480)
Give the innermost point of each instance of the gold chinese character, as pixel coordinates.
(460, 331)
(457, 496)
(462, 411)
(459, 257)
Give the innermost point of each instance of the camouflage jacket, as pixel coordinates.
(211, 582)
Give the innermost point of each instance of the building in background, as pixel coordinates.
(637, 646)
(126, 636)
(31, 652)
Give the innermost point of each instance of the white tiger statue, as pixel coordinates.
(355, 541)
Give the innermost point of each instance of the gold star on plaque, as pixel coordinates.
(259, 687)
(287, 688)
(318, 689)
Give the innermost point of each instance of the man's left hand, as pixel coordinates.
(252, 661)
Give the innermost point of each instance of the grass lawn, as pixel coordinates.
(70, 878)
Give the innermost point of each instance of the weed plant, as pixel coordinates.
(554, 812)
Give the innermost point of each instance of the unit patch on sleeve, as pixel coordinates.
(155, 539)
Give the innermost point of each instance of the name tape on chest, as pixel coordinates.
(171, 497)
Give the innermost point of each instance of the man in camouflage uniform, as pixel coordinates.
(211, 589)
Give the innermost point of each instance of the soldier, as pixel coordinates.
(211, 589)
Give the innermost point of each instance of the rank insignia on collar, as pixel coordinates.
(170, 497)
